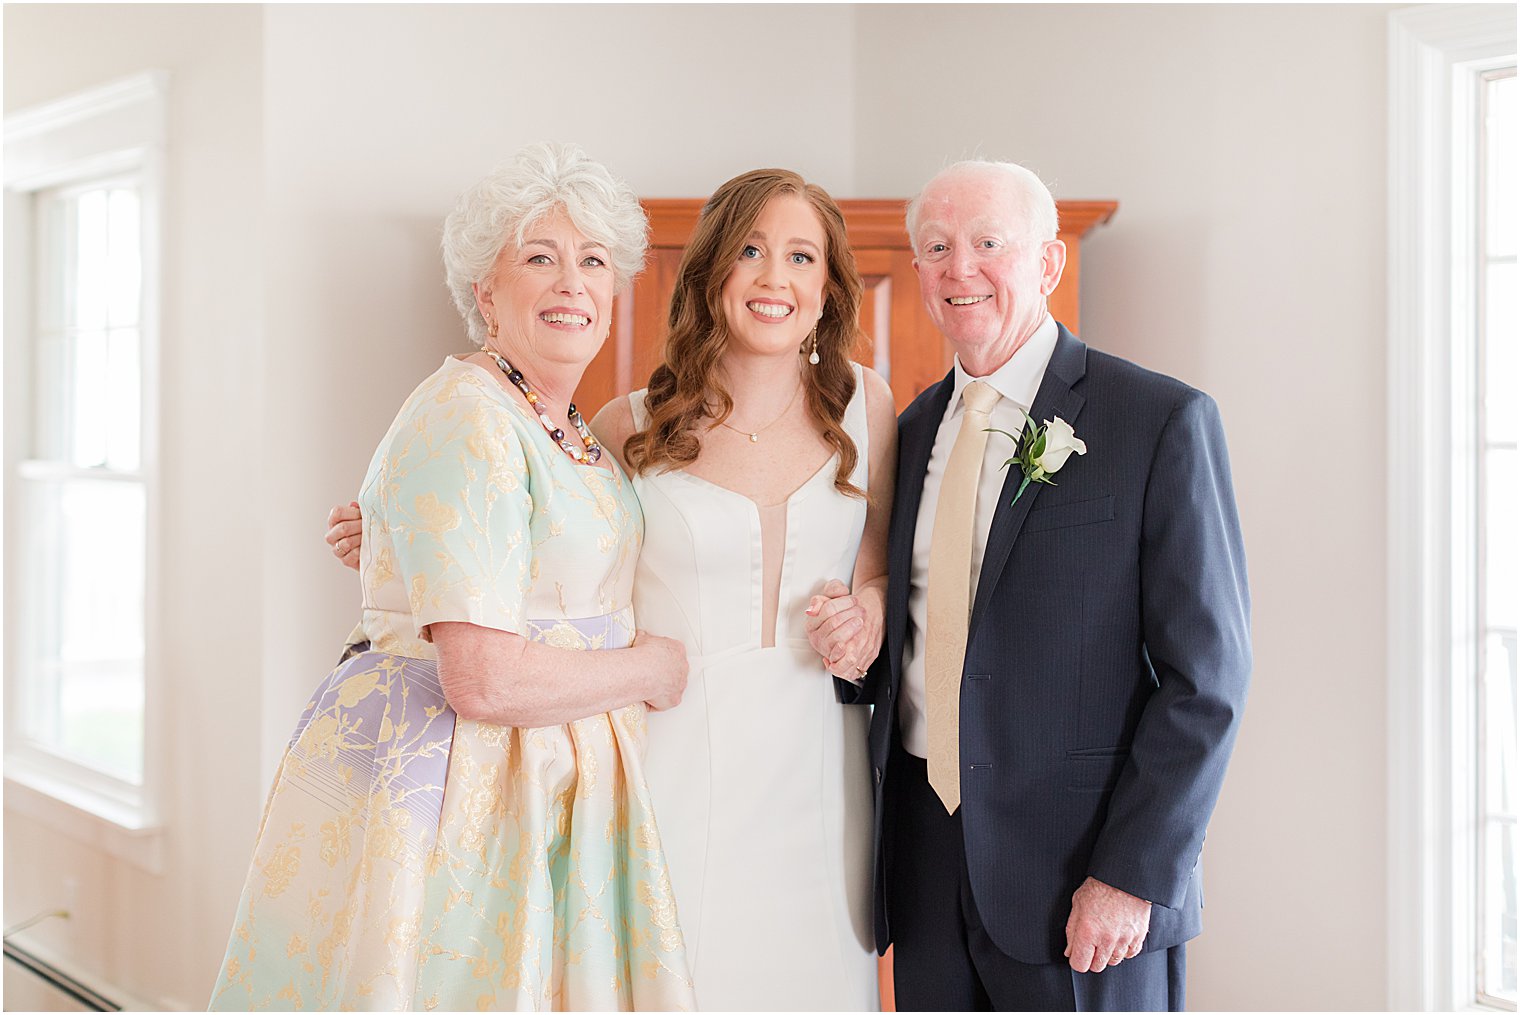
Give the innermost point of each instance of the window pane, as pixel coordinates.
(88, 655)
(1502, 366)
(1502, 586)
(91, 396)
(1503, 167)
(92, 272)
(123, 410)
(101, 708)
(89, 300)
(1499, 916)
(125, 255)
(1499, 727)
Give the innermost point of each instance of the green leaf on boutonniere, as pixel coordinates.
(1041, 451)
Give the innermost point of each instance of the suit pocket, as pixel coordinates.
(1063, 516)
(1095, 769)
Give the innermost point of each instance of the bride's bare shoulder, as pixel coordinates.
(614, 425)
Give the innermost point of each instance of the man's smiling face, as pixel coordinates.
(983, 277)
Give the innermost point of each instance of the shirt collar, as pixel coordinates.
(1019, 379)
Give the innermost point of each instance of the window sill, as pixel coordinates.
(118, 828)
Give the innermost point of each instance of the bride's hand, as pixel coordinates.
(845, 629)
(344, 531)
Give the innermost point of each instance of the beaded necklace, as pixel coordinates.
(593, 452)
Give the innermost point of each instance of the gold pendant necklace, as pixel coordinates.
(754, 437)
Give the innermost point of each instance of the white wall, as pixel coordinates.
(1246, 149)
(162, 936)
(368, 146)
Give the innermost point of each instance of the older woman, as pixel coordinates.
(764, 461)
(461, 820)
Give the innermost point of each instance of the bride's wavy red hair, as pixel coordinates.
(686, 387)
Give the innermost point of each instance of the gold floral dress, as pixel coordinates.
(408, 859)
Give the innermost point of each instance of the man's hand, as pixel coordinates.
(344, 528)
(1106, 927)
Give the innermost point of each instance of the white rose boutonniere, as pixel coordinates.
(1041, 451)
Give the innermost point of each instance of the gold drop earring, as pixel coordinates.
(813, 356)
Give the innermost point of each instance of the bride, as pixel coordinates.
(763, 459)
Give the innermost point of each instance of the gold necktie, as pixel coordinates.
(950, 592)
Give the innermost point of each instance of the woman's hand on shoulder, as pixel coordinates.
(345, 528)
(613, 426)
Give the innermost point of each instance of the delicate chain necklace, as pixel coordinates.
(754, 437)
(593, 452)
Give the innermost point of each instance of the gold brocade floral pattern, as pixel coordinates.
(411, 860)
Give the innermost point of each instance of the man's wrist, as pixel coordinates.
(1114, 888)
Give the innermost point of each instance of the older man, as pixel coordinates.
(1066, 660)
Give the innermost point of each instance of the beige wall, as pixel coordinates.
(161, 936)
(1245, 146)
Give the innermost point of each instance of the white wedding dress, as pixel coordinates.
(760, 779)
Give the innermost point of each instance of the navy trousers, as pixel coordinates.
(943, 958)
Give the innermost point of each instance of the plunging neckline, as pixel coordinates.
(833, 461)
(781, 628)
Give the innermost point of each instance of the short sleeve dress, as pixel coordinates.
(411, 860)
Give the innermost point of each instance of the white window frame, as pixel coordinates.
(116, 128)
(1436, 53)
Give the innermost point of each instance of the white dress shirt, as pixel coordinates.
(1017, 381)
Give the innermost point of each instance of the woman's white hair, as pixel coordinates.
(1038, 207)
(540, 179)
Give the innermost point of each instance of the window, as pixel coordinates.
(1453, 496)
(1497, 548)
(82, 185)
(82, 497)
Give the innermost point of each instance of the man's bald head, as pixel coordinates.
(1036, 208)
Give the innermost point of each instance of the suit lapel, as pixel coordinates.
(915, 442)
(1057, 397)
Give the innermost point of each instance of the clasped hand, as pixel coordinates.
(845, 629)
(1106, 927)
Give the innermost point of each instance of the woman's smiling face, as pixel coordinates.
(773, 297)
(551, 296)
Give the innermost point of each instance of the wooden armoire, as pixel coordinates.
(898, 339)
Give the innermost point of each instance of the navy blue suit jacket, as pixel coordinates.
(1107, 659)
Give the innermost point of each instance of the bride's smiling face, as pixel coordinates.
(773, 296)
